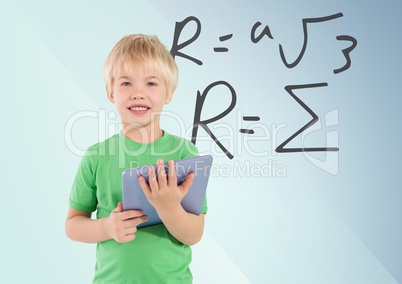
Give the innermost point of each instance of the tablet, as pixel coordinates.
(134, 197)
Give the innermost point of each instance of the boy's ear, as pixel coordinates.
(169, 97)
(110, 95)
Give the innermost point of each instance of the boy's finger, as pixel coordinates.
(119, 207)
(172, 173)
(135, 222)
(187, 183)
(126, 215)
(140, 220)
(161, 173)
(128, 238)
(130, 230)
(143, 183)
(153, 183)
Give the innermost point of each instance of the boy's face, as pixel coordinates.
(139, 96)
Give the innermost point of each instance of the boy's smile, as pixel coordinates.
(139, 109)
(139, 96)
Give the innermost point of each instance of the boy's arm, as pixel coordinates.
(166, 197)
(186, 227)
(118, 226)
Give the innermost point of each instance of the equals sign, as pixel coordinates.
(223, 38)
(249, 118)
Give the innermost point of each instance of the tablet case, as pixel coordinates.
(134, 197)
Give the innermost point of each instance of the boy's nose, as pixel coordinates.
(137, 95)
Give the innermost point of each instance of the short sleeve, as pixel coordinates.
(191, 150)
(83, 192)
(204, 209)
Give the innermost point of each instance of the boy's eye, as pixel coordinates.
(126, 84)
(151, 84)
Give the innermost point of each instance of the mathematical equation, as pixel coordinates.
(256, 37)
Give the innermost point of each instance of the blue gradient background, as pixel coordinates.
(308, 227)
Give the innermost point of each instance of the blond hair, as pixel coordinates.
(144, 51)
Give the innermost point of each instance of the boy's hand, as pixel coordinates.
(121, 227)
(163, 193)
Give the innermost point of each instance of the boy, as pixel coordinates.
(141, 77)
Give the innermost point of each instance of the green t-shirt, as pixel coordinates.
(154, 256)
